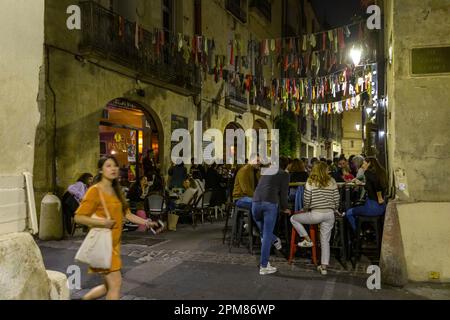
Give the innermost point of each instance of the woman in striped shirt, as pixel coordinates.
(321, 199)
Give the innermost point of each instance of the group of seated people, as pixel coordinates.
(265, 196)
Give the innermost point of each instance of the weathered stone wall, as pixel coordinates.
(425, 231)
(418, 107)
(418, 136)
(22, 34)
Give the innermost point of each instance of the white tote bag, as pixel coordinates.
(96, 249)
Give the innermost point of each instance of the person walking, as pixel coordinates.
(107, 187)
(321, 200)
(270, 195)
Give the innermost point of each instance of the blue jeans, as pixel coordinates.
(265, 216)
(245, 202)
(370, 209)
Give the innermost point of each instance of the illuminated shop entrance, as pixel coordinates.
(127, 132)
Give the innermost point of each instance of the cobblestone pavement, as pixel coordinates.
(194, 264)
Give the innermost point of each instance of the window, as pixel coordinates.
(264, 7)
(168, 17)
(198, 17)
(237, 8)
(352, 144)
(126, 9)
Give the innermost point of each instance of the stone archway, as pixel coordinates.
(127, 129)
(231, 126)
(260, 124)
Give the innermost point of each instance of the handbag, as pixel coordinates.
(96, 249)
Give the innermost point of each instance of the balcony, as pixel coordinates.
(261, 105)
(235, 100)
(111, 38)
(263, 8)
(235, 7)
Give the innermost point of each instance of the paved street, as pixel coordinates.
(194, 264)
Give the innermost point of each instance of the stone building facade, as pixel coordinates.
(89, 69)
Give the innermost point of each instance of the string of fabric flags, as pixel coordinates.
(295, 55)
(337, 107)
(295, 91)
(300, 58)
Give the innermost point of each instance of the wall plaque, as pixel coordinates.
(430, 60)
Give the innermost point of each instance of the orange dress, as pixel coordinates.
(91, 205)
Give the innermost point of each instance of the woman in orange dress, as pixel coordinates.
(118, 209)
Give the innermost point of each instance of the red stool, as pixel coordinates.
(313, 230)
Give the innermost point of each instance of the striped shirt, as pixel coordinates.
(321, 198)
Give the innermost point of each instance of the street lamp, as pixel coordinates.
(355, 54)
(358, 127)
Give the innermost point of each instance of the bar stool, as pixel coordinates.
(241, 217)
(313, 231)
(229, 208)
(377, 223)
(338, 239)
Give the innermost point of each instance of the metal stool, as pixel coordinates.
(229, 208)
(338, 239)
(241, 216)
(377, 223)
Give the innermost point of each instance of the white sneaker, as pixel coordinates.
(277, 244)
(322, 270)
(267, 270)
(305, 244)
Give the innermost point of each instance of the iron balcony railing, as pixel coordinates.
(236, 99)
(235, 7)
(262, 101)
(264, 7)
(115, 38)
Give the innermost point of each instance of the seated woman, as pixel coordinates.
(156, 183)
(78, 189)
(297, 171)
(72, 198)
(138, 192)
(376, 186)
(346, 174)
(321, 199)
(357, 163)
(190, 190)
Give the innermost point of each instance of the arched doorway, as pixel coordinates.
(127, 131)
(261, 125)
(233, 148)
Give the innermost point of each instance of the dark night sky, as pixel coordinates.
(336, 12)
